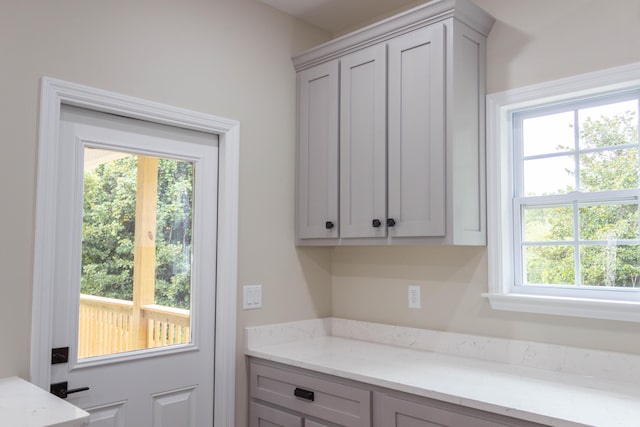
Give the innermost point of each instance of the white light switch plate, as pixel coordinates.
(251, 297)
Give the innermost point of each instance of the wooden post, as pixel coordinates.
(144, 255)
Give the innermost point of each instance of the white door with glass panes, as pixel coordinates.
(135, 275)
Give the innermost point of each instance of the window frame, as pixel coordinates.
(503, 251)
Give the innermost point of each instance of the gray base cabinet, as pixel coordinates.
(285, 396)
(265, 416)
(317, 400)
(391, 144)
(411, 411)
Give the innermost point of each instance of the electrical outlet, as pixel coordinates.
(414, 296)
(251, 297)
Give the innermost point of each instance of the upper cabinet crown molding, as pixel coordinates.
(434, 11)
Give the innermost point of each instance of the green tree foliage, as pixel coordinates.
(109, 230)
(611, 264)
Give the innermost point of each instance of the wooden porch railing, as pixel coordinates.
(106, 326)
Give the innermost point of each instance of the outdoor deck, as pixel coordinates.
(108, 326)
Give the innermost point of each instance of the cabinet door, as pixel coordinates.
(363, 143)
(265, 416)
(317, 214)
(417, 133)
(396, 412)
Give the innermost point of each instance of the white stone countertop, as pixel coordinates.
(22, 404)
(521, 388)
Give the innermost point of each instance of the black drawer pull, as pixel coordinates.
(304, 394)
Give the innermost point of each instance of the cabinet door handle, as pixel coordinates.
(375, 223)
(391, 222)
(328, 225)
(304, 394)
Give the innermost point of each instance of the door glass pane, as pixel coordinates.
(135, 288)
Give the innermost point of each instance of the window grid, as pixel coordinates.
(575, 199)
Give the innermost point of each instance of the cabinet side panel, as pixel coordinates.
(467, 137)
(318, 152)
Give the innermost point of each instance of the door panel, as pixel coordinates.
(363, 143)
(107, 416)
(167, 382)
(174, 408)
(417, 134)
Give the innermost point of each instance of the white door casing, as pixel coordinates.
(55, 93)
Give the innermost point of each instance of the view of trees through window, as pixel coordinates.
(108, 234)
(580, 219)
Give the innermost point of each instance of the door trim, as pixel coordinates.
(56, 92)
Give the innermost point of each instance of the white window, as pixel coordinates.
(564, 188)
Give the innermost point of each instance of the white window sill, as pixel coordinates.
(628, 311)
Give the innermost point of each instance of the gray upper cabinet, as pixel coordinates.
(391, 144)
(416, 159)
(318, 151)
(363, 149)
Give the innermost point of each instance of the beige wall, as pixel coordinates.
(225, 57)
(232, 58)
(533, 41)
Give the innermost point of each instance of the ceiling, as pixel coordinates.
(339, 16)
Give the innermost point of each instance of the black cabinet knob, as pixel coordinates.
(328, 225)
(375, 223)
(391, 222)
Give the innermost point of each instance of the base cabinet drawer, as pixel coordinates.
(392, 411)
(309, 423)
(313, 396)
(265, 416)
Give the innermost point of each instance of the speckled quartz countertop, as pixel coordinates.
(22, 404)
(547, 384)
